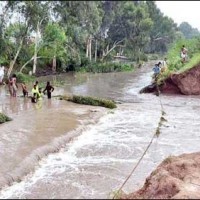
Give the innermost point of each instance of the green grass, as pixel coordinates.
(174, 60)
(4, 118)
(194, 61)
(86, 100)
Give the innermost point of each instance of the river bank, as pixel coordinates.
(177, 177)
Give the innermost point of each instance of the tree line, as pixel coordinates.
(38, 34)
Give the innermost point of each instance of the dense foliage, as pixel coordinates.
(83, 35)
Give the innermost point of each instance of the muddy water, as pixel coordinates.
(97, 150)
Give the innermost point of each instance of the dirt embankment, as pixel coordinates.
(177, 177)
(187, 83)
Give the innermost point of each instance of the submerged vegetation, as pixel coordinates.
(4, 118)
(89, 101)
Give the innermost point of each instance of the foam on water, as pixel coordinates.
(106, 145)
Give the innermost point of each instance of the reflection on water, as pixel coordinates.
(96, 161)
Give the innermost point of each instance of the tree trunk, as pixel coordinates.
(95, 55)
(111, 49)
(90, 48)
(12, 63)
(35, 61)
(26, 64)
(54, 64)
(30, 61)
(36, 47)
(87, 48)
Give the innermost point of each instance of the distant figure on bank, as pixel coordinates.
(1, 74)
(164, 65)
(156, 70)
(49, 88)
(24, 90)
(184, 52)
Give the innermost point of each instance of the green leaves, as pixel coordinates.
(54, 40)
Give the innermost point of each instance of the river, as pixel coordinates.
(58, 149)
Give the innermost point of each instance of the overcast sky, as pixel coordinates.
(179, 11)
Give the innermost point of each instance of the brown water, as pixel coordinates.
(94, 152)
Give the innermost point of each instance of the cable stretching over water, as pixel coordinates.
(156, 134)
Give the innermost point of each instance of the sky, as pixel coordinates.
(180, 11)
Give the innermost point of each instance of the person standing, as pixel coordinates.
(164, 65)
(12, 85)
(15, 87)
(49, 88)
(156, 70)
(1, 74)
(24, 90)
(35, 94)
(37, 86)
(184, 52)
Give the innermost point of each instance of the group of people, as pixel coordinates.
(162, 66)
(36, 93)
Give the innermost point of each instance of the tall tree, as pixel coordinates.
(164, 29)
(188, 31)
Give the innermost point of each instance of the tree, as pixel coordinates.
(132, 25)
(163, 31)
(188, 31)
(54, 40)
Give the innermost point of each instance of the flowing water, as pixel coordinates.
(58, 149)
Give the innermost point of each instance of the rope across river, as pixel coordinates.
(156, 134)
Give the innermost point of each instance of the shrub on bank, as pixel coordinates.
(106, 67)
(4, 118)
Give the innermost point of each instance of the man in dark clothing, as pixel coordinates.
(49, 90)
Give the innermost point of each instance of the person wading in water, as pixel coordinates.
(49, 88)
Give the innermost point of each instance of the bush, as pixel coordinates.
(106, 67)
(4, 118)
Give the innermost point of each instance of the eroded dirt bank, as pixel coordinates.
(177, 177)
(187, 83)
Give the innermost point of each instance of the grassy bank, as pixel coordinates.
(174, 61)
